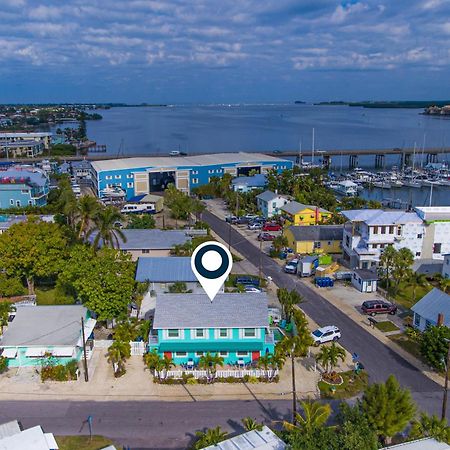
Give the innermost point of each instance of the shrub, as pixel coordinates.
(3, 364)
(10, 286)
(191, 381)
(59, 372)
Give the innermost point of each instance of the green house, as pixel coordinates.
(39, 332)
(235, 326)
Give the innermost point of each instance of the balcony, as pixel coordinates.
(153, 339)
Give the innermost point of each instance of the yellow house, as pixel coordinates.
(299, 214)
(315, 238)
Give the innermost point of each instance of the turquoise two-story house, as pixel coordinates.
(235, 326)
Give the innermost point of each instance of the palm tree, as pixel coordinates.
(430, 426)
(315, 415)
(251, 424)
(118, 352)
(288, 300)
(212, 436)
(151, 360)
(417, 280)
(330, 356)
(164, 365)
(108, 230)
(209, 363)
(444, 284)
(87, 209)
(264, 362)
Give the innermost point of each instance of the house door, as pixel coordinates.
(168, 355)
(255, 356)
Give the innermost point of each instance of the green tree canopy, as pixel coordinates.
(144, 221)
(104, 282)
(434, 345)
(33, 249)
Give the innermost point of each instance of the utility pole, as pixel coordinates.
(294, 392)
(86, 375)
(444, 400)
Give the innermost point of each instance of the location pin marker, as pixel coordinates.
(211, 263)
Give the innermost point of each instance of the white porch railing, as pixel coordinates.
(137, 348)
(240, 373)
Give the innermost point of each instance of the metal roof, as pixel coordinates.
(380, 217)
(36, 176)
(183, 161)
(432, 304)
(317, 232)
(433, 213)
(45, 325)
(197, 311)
(420, 444)
(366, 274)
(296, 207)
(165, 269)
(267, 196)
(265, 439)
(30, 439)
(150, 239)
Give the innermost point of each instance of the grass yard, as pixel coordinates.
(407, 344)
(386, 326)
(405, 294)
(353, 384)
(50, 296)
(82, 442)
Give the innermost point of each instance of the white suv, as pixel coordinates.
(326, 334)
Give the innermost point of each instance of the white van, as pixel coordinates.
(142, 208)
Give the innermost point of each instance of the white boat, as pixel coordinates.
(346, 187)
(113, 192)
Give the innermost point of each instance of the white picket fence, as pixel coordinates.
(137, 348)
(240, 373)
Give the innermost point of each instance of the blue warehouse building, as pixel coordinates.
(136, 176)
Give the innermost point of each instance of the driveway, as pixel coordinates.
(379, 359)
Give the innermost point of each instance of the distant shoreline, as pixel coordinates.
(409, 104)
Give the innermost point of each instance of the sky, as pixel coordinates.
(223, 51)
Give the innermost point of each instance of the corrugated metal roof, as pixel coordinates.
(165, 269)
(183, 161)
(265, 439)
(45, 325)
(432, 304)
(296, 207)
(267, 196)
(197, 311)
(380, 217)
(317, 232)
(150, 239)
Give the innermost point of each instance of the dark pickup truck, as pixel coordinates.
(373, 307)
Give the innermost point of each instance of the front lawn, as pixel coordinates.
(51, 296)
(353, 384)
(82, 442)
(386, 326)
(405, 294)
(408, 344)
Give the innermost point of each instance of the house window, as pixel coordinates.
(416, 320)
(145, 251)
(173, 333)
(30, 202)
(180, 354)
(383, 230)
(418, 253)
(375, 230)
(329, 243)
(194, 172)
(129, 175)
(391, 230)
(11, 202)
(399, 230)
(194, 180)
(223, 332)
(249, 332)
(437, 248)
(317, 244)
(419, 236)
(223, 354)
(117, 177)
(200, 333)
(428, 324)
(18, 203)
(24, 191)
(241, 353)
(108, 177)
(129, 185)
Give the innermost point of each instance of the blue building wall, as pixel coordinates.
(198, 175)
(231, 348)
(19, 194)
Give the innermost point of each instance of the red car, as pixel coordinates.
(272, 227)
(266, 237)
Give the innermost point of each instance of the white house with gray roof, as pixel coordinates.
(428, 309)
(270, 203)
(150, 242)
(235, 326)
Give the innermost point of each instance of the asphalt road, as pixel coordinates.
(379, 360)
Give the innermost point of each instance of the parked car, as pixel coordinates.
(265, 237)
(291, 266)
(252, 290)
(231, 219)
(251, 216)
(373, 307)
(254, 226)
(326, 334)
(247, 281)
(242, 220)
(272, 227)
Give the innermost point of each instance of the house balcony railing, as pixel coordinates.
(153, 339)
(269, 338)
